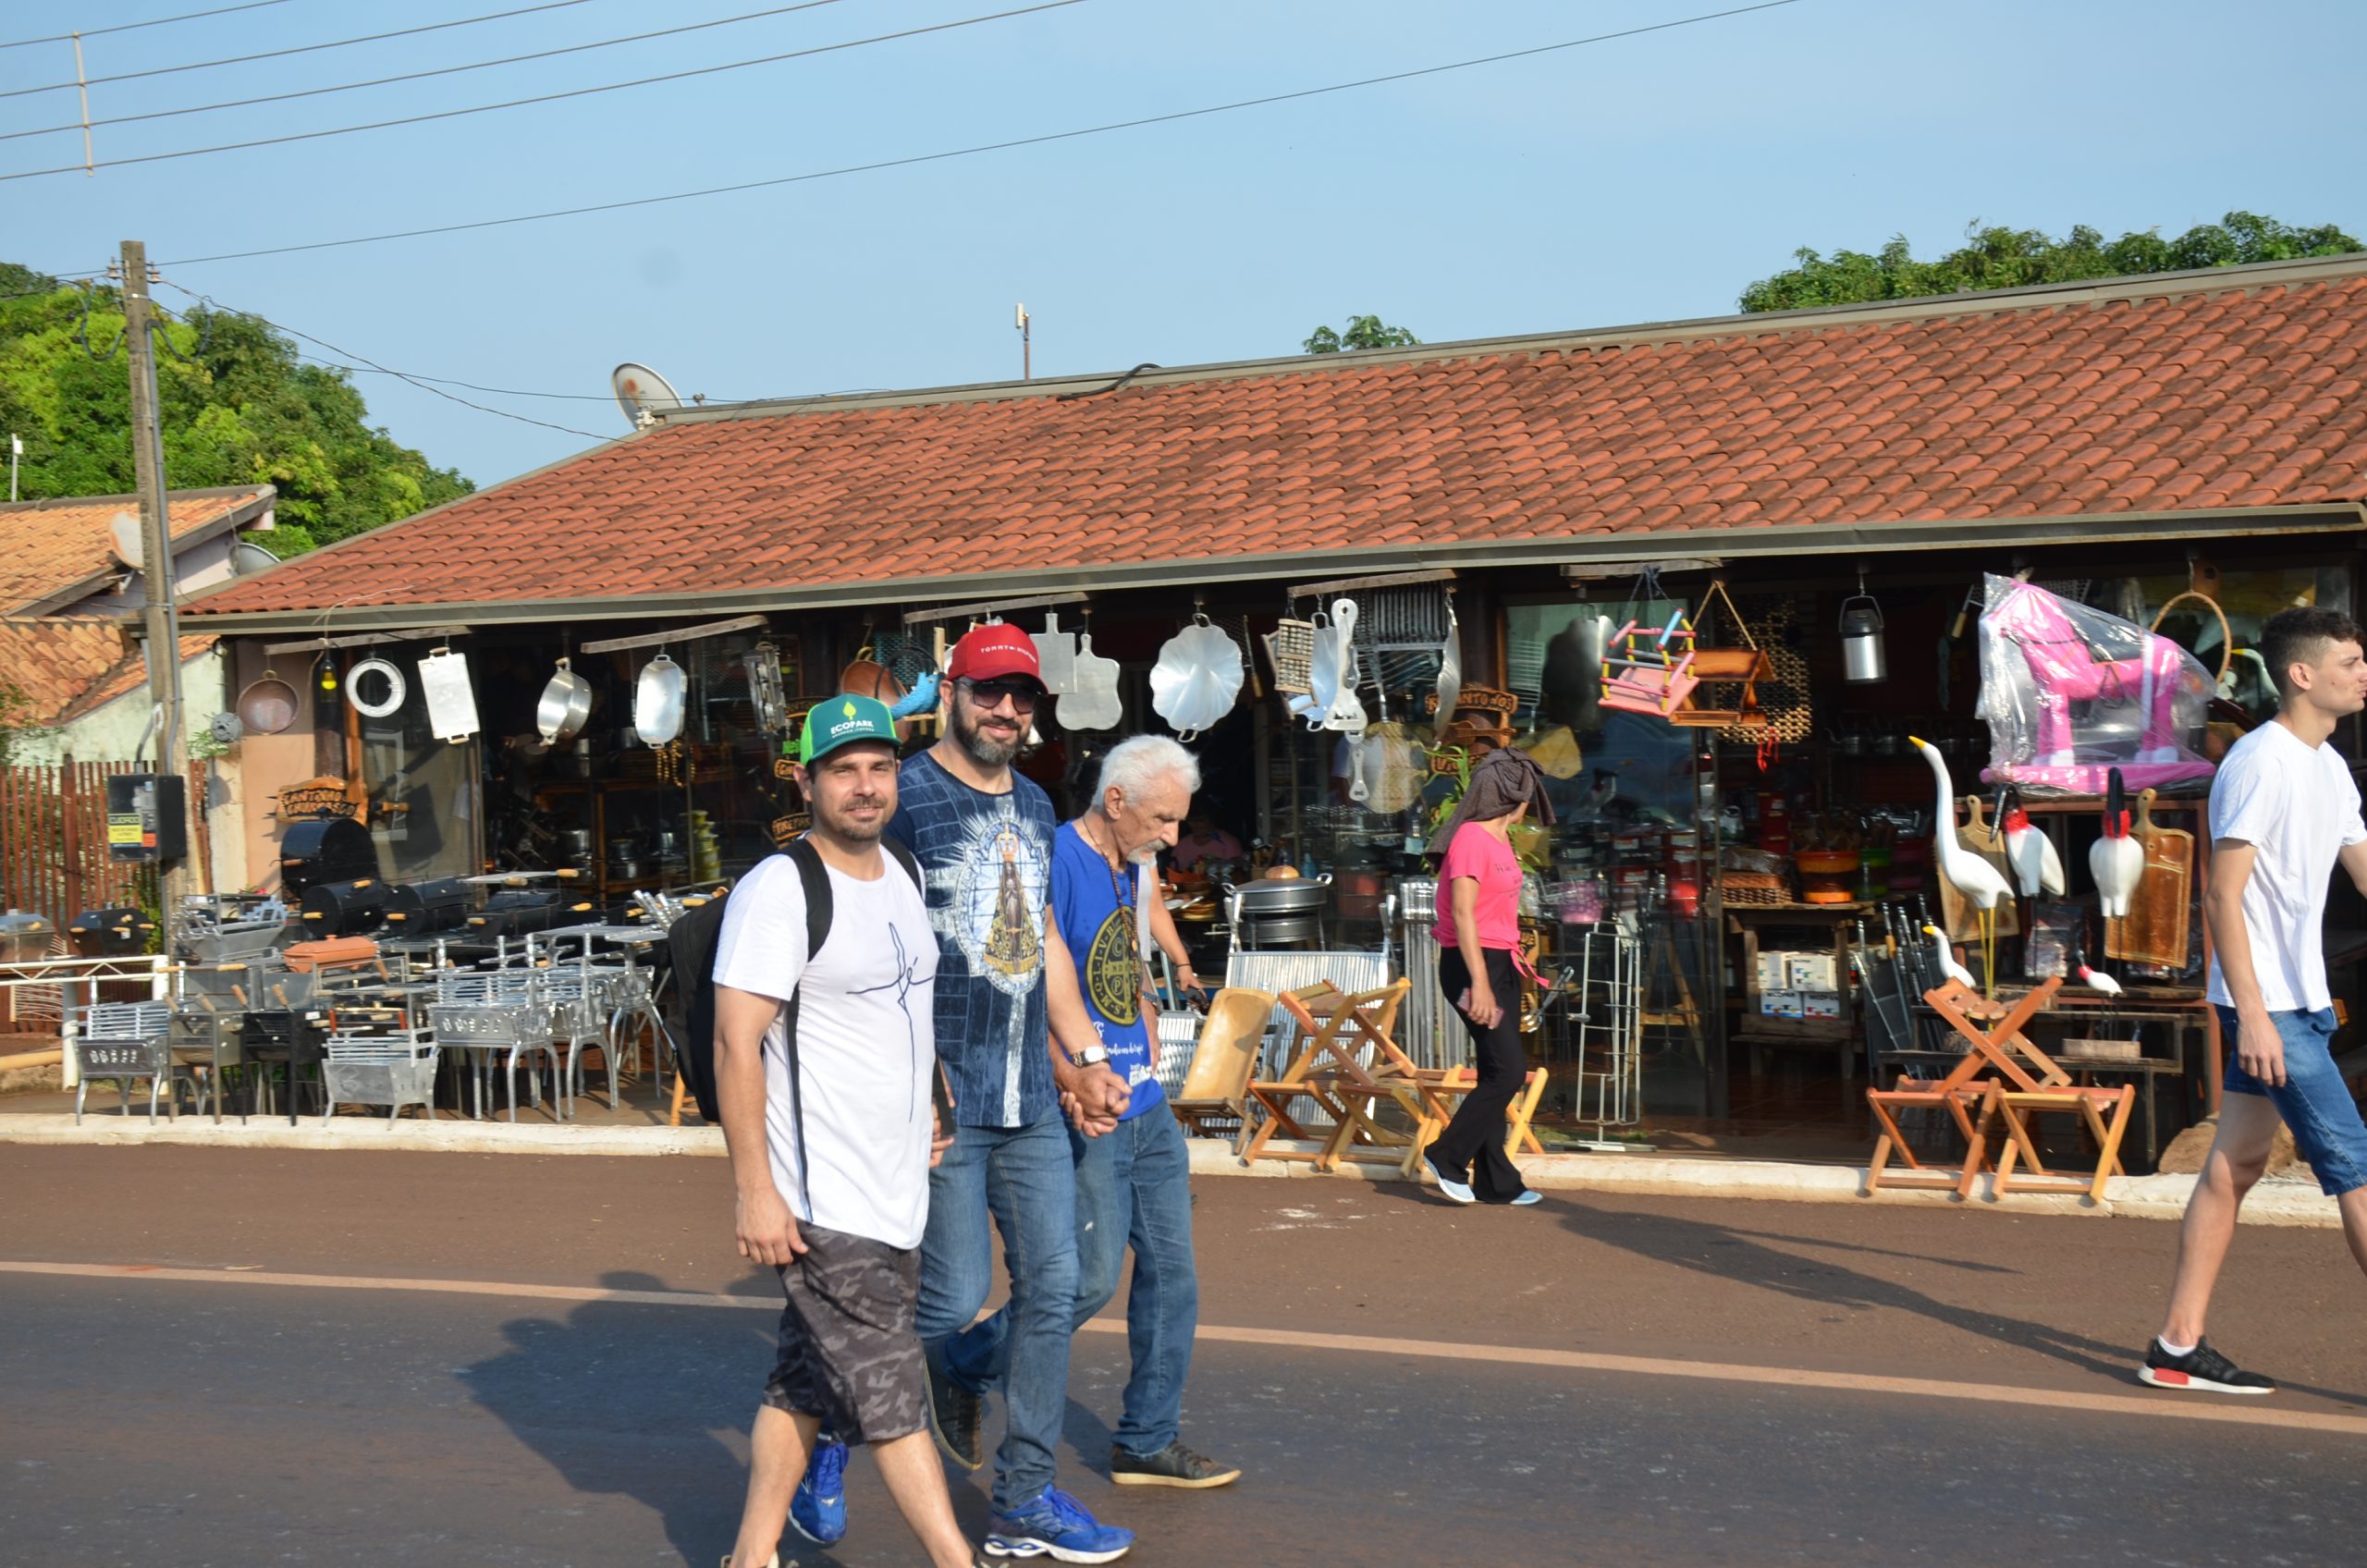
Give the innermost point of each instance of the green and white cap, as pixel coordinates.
(842, 721)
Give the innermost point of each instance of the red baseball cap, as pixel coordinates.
(997, 649)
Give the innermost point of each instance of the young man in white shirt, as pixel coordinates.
(2283, 812)
(832, 1135)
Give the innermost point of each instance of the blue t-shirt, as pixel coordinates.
(1095, 905)
(990, 865)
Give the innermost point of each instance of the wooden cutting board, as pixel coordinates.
(2156, 930)
(1961, 918)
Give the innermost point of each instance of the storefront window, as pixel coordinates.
(1634, 834)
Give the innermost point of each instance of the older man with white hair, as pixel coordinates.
(1134, 1171)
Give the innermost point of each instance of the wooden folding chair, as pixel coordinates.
(1994, 1035)
(1216, 1086)
(1333, 1026)
(1436, 1111)
(2014, 1107)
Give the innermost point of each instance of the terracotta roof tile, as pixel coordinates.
(2134, 397)
(46, 547)
(66, 666)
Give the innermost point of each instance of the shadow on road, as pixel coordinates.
(1743, 1257)
(633, 1399)
(629, 1398)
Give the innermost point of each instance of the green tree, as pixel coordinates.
(2014, 258)
(238, 405)
(1362, 332)
(15, 727)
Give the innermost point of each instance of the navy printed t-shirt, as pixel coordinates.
(1095, 906)
(990, 865)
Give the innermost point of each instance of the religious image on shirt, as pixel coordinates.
(1001, 877)
(1113, 973)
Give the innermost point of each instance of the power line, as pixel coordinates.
(549, 97)
(279, 53)
(134, 26)
(423, 383)
(414, 76)
(972, 152)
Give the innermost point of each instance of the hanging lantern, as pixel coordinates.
(1863, 662)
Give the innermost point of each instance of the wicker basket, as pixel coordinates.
(1753, 888)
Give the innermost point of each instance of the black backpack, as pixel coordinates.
(691, 943)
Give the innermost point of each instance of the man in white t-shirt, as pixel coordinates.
(832, 1132)
(2283, 812)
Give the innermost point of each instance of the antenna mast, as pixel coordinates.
(1019, 318)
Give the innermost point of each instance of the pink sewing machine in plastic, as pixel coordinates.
(2071, 692)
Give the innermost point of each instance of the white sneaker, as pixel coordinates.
(1456, 1192)
(1530, 1196)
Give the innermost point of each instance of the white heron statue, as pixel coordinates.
(1981, 883)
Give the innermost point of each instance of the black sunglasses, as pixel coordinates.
(988, 694)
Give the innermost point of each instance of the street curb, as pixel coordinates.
(2135, 1198)
(2138, 1197)
(408, 1135)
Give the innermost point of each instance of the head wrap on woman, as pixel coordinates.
(1505, 779)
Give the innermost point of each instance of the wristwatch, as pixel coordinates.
(1092, 1056)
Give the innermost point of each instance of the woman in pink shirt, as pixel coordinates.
(1478, 931)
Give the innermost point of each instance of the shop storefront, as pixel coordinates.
(1409, 559)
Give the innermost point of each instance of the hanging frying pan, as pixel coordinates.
(658, 702)
(267, 705)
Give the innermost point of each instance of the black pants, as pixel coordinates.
(1474, 1141)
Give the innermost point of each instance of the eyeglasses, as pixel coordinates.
(988, 694)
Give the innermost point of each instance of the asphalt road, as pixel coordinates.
(241, 1357)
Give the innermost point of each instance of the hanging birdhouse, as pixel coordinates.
(1725, 689)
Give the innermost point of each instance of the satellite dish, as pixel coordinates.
(643, 393)
(248, 558)
(123, 532)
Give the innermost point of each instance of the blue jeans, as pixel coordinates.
(1024, 1178)
(1133, 1189)
(2313, 1100)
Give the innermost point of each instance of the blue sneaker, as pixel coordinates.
(1057, 1525)
(819, 1509)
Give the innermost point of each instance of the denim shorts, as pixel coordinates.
(2313, 1100)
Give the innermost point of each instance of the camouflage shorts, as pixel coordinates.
(848, 1351)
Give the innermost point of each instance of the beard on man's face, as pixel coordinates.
(982, 748)
(846, 818)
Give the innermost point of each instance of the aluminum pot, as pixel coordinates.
(565, 707)
(1266, 900)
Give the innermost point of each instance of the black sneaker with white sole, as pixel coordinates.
(957, 1416)
(1173, 1466)
(2201, 1370)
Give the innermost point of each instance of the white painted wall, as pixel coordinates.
(111, 733)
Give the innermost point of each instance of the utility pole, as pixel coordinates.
(161, 616)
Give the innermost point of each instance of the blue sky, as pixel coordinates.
(1636, 180)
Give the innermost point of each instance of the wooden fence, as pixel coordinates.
(53, 840)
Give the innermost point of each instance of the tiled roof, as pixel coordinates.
(68, 666)
(54, 662)
(2204, 393)
(49, 546)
